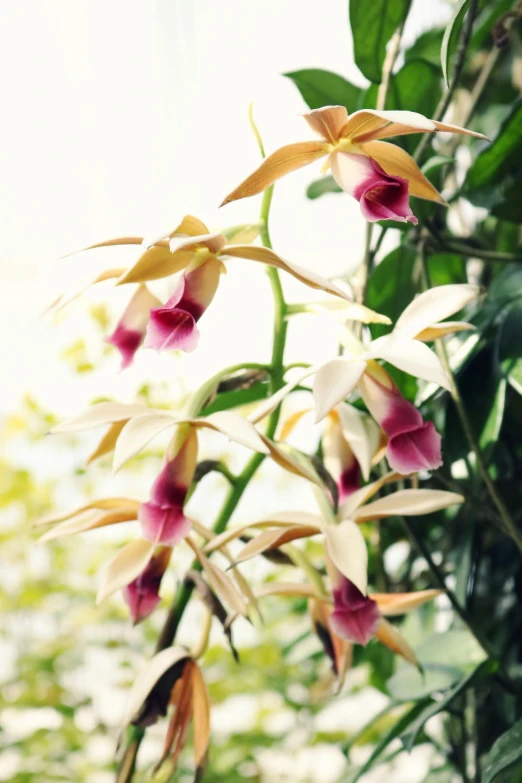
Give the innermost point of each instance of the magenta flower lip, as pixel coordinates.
(355, 616)
(127, 341)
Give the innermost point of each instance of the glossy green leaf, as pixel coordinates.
(426, 47)
(451, 36)
(397, 729)
(409, 737)
(322, 186)
(497, 168)
(324, 88)
(391, 286)
(233, 399)
(373, 24)
(506, 751)
(445, 658)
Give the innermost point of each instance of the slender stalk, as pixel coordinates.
(508, 524)
(460, 59)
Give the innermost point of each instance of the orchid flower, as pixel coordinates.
(162, 517)
(142, 594)
(381, 176)
(351, 444)
(403, 348)
(130, 330)
(192, 249)
(173, 326)
(344, 543)
(187, 695)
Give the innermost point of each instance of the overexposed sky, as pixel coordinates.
(119, 116)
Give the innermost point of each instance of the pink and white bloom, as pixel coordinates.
(130, 330)
(381, 176)
(380, 195)
(142, 594)
(355, 616)
(413, 444)
(162, 518)
(173, 326)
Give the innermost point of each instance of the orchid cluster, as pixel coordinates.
(372, 438)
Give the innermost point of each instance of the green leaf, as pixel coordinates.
(447, 268)
(233, 399)
(409, 737)
(506, 751)
(373, 24)
(391, 286)
(445, 658)
(322, 186)
(426, 47)
(451, 35)
(404, 93)
(323, 88)
(397, 729)
(495, 171)
(509, 342)
(482, 386)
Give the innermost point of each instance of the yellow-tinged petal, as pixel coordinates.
(125, 566)
(392, 604)
(108, 442)
(334, 381)
(408, 502)
(201, 714)
(398, 163)
(443, 329)
(220, 583)
(155, 263)
(359, 497)
(272, 539)
(432, 306)
(104, 504)
(281, 162)
(90, 520)
(291, 423)
(328, 122)
(387, 634)
(284, 519)
(265, 256)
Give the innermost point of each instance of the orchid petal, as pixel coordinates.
(266, 256)
(125, 566)
(411, 356)
(281, 162)
(362, 433)
(407, 502)
(149, 676)
(393, 604)
(96, 415)
(368, 122)
(388, 635)
(433, 306)
(347, 549)
(437, 331)
(398, 163)
(334, 381)
(328, 121)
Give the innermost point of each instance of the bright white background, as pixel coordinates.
(119, 116)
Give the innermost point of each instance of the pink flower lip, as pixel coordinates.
(415, 449)
(172, 328)
(384, 197)
(127, 341)
(355, 616)
(142, 594)
(350, 481)
(163, 524)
